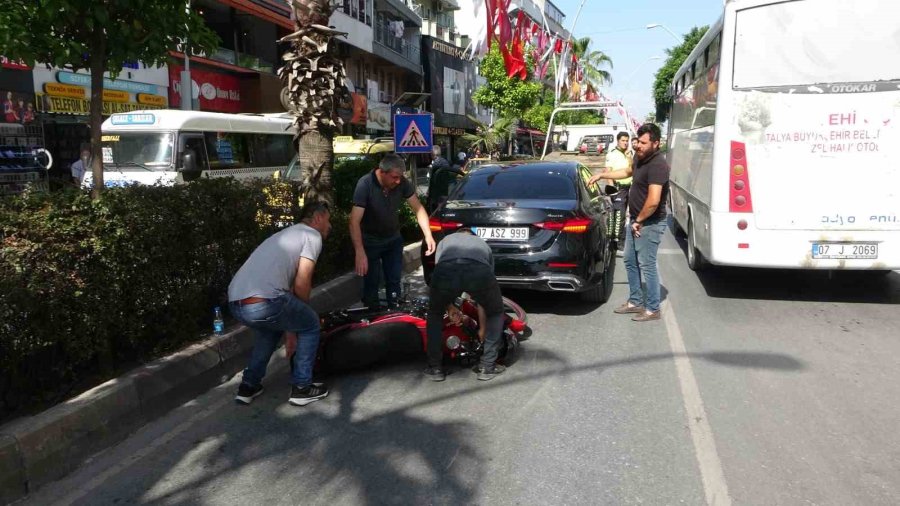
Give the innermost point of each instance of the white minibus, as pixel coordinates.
(781, 134)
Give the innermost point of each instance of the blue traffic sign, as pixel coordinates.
(413, 133)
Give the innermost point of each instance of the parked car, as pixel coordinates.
(595, 144)
(545, 225)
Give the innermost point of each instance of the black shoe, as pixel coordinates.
(246, 393)
(435, 374)
(489, 373)
(306, 395)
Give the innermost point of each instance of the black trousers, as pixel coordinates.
(448, 281)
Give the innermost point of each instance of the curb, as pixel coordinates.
(42, 448)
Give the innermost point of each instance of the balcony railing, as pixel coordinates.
(408, 49)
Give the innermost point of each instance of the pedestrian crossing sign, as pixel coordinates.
(413, 133)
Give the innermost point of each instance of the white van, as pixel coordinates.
(172, 146)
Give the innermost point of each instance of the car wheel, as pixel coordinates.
(694, 257)
(601, 292)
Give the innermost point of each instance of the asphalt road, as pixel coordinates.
(758, 387)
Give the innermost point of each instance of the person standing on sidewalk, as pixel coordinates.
(270, 294)
(465, 263)
(647, 213)
(375, 226)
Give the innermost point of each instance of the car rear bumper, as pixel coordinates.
(545, 282)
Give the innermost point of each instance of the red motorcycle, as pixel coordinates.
(357, 338)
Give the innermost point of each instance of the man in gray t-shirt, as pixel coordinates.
(375, 226)
(465, 263)
(270, 294)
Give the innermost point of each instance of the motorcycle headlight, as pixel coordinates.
(452, 342)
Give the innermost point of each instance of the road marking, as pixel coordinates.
(670, 251)
(714, 485)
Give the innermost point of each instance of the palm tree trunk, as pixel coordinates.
(315, 84)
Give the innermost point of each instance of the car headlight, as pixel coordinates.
(452, 342)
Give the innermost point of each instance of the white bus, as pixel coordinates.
(780, 137)
(172, 146)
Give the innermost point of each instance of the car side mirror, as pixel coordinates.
(189, 161)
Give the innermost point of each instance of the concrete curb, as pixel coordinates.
(38, 449)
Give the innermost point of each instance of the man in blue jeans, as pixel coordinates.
(375, 226)
(270, 294)
(647, 212)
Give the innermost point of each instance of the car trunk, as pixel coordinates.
(521, 214)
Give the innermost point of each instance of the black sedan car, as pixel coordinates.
(545, 225)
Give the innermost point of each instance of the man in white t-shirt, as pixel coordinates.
(80, 166)
(270, 294)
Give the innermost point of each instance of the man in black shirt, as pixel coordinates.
(647, 212)
(375, 226)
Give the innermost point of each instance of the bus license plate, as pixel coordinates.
(502, 233)
(845, 251)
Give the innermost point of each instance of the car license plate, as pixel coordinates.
(502, 233)
(845, 250)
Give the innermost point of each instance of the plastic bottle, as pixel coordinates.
(218, 321)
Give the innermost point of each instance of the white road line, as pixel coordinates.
(669, 251)
(714, 485)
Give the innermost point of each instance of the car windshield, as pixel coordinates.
(490, 184)
(138, 150)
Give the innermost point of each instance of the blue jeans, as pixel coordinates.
(387, 254)
(269, 321)
(640, 260)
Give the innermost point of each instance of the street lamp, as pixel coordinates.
(187, 91)
(658, 25)
(633, 72)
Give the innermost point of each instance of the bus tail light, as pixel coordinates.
(739, 200)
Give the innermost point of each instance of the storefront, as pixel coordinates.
(20, 133)
(451, 81)
(63, 104)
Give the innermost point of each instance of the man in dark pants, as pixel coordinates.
(464, 263)
(375, 226)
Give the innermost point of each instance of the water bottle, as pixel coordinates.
(218, 321)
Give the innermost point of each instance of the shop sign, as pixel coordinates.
(13, 64)
(66, 77)
(68, 105)
(456, 132)
(156, 100)
(64, 90)
(215, 91)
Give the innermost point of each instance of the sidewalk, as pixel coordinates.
(38, 449)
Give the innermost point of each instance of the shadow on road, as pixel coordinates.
(869, 287)
(349, 452)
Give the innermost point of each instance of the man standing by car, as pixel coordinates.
(465, 263)
(646, 209)
(620, 158)
(375, 226)
(270, 294)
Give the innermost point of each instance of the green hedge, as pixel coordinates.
(90, 288)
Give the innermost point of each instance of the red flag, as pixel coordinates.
(557, 46)
(503, 22)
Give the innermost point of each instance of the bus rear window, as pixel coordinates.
(810, 42)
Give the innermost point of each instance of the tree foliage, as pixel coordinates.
(666, 73)
(100, 37)
(593, 63)
(510, 97)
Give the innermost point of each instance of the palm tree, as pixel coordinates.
(593, 63)
(490, 137)
(314, 83)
